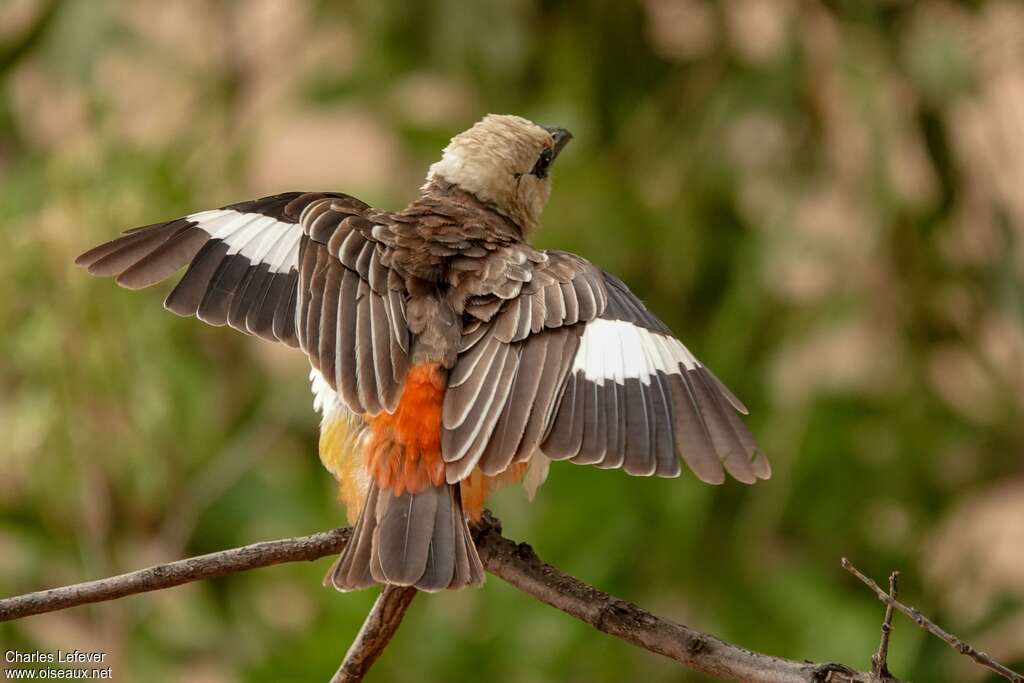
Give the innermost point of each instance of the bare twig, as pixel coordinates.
(880, 662)
(172, 574)
(933, 628)
(381, 623)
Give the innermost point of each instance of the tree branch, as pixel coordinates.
(928, 625)
(513, 562)
(381, 623)
(518, 564)
(176, 573)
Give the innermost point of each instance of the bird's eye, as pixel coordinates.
(540, 169)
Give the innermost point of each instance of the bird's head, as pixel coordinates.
(504, 161)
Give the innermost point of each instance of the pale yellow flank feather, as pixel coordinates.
(342, 439)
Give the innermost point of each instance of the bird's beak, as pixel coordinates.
(561, 138)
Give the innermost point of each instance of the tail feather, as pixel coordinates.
(469, 570)
(405, 527)
(414, 539)
(440, 566)
(352, 568)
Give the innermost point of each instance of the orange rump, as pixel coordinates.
(404, 453)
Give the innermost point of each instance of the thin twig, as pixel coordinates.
(934, 629)
(880, 662)
(381, 623)
(172, 574)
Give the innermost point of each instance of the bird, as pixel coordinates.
(449, 357)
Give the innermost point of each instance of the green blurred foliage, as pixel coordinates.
(823, 199)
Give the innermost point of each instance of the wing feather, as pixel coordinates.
(276, 268)
(314, 307)
(593, 446)
(116, 256)
(327, 325)
(724, 438)
(366, 377)
(508, 434)
(284, 315)
(345, 362)
(599, 381)
(463, 445)
(560, 348)
(185, 298)
(561, 443)
(693, 439)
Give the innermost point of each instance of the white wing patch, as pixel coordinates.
(616, 350)
(259, 238)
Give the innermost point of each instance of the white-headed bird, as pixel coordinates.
(449, 357)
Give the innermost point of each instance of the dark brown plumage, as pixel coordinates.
(448, 355)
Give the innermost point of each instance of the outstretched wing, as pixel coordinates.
(351, 307)
(242, 263)
(576, 367)
(299, 267)
(504, 387)
(636, 398)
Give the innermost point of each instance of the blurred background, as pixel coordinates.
(825, 200)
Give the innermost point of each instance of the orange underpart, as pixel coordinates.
(404, 453)
(477, 486)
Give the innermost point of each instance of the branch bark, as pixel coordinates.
(381, 623)
(513, 562)
(519, 565)
(173, 574)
